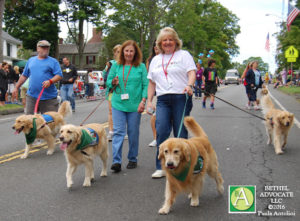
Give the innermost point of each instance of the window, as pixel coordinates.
(90, 59)
(8, 49)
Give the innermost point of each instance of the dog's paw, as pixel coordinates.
(195, 202)
(93, 180)
(163, 211)
(279, 152)
(87, 182)
(221, 190)
(50, 152)
(69, 185)
(103, 173)
(24, 156)
(190, 196)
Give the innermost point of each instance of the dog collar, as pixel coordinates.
(88, 139)
(30, 137)
(197, 169)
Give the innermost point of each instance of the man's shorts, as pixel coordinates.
(11, 87)
(44, 105)
(210, 88)
(23, 92)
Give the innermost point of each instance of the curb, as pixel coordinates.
(12, 111)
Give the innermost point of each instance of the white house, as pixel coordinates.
(10, 47)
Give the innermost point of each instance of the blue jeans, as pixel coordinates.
(198, 84)
(122, 119)
(67, 93)
(169, 110)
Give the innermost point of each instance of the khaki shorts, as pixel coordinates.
(11, 87)
(23, 92)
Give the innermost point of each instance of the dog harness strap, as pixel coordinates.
(48, 118)
(88, 139)
(199, 165)
(32, 134)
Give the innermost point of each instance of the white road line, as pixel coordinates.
(282, 107)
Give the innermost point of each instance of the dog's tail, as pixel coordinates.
(65, 109)
(194, 127)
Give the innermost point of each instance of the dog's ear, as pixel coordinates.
(186, 151)
(161, 152)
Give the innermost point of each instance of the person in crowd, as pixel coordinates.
(106, 71)
(69, 76)
(129, 75)
(16, 76)
(253, 79)
(198, 83)
(3, 82)
(154, 52)
(171, 75)
(11, 80)
(91, 81)
(43, 71)
(284, 76)
(211, 83)
(243, 77)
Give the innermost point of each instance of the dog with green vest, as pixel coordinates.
(186, 161)
(81, 145)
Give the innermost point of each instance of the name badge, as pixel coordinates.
(124, 96)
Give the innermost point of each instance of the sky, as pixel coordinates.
(254, 24)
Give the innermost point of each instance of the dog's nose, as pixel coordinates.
(13, 127)
(61, 138)
(288, 124)
(170, 164)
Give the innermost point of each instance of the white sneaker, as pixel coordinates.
(110, 135)
(126, 137)
(256, 107)
(153, 143)
(158, 174)
(248, 107)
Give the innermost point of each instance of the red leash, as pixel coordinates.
(38, 101)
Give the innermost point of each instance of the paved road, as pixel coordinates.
(35, 188)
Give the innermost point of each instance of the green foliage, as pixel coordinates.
(262, 66)
(24, 53)
(33, 20)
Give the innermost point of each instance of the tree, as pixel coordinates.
(2, 3)
(77, 12)
(262, 66)
(33, 20)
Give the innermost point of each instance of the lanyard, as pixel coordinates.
(125, 82)
(165, 70)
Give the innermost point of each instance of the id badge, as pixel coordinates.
(124, 96)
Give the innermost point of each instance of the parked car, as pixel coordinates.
(97, 74)
(232, 77)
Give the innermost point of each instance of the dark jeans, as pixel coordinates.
(198, 84)
(169, 110)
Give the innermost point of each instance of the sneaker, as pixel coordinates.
(256, 107)
(110, 135)
(131, 165)
(126, 137)
(158, 174)
(248, 106)
(116, 167)
(212, 106)
(203, 104)
(153, 143)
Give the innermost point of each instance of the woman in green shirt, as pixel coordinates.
(128, 101)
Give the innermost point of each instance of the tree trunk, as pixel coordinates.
(2, 3)
(80, 43)
(56, 42)
(152, 26)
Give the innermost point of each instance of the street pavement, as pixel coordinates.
(35, 188)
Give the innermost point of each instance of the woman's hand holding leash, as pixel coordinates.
(115, 81)
(150, 108)
(189, 90)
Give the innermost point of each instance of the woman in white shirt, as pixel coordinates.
(172, 74)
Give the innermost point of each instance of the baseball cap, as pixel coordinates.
(43, 43)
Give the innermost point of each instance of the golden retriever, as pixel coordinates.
(44, 130)
(71, 137)
(277, 122)
(178, 158)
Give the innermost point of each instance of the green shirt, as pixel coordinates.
(136, 86)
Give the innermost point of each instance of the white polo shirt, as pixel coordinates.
(177, 78)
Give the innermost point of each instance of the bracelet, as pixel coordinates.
(51, 82)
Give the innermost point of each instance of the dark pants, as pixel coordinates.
(2, 93)
(169, 111)
(198, 84)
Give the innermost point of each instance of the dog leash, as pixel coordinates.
(183, 114)
(93, 111)
(233, 105)
(38, 101)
